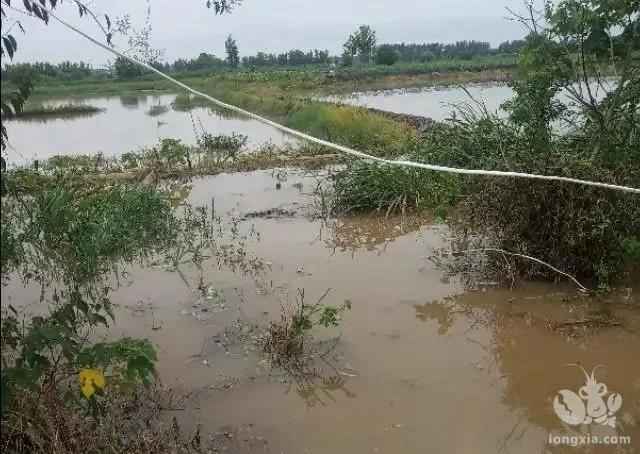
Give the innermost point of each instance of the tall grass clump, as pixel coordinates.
(366, 186)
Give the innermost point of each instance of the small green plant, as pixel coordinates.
(172, 153)
(288, 341)
(221, 149)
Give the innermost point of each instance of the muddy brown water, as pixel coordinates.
(425, 366)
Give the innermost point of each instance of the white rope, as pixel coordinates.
(342, 148)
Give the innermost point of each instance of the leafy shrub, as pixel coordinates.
(221, 149)
(67, 240)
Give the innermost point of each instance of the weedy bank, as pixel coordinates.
(590, 232)
(74, 238)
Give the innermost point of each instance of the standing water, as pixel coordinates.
(127, 123)
(433, 102)
(421, 364)
(438, 103)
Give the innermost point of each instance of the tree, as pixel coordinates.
(386, 55)
(349, 50)
(591, 132)
(233, 56)
(361, 43)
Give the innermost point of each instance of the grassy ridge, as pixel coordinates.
(347, 125)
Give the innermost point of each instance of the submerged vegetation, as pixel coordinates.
(61, 111)
(288, 341)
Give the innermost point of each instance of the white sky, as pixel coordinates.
(184, 28)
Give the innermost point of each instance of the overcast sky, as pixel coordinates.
(184, 28)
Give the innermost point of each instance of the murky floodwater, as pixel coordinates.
(432, 102)
(426, 366)
(125, 125)
(438, 103)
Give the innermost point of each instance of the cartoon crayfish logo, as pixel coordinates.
(588, 405)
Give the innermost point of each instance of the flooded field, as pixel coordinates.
(418, 364)
(431, 102)
(438, 103)
(127, 123)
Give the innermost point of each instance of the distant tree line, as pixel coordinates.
(360, 47)
(64, 71)
(294, 57)
(413, 52)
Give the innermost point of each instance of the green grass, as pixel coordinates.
(353, 126)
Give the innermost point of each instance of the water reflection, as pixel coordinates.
(132, 102)
(157, 109)
(324, 391)
(370, 233)
(58, 116)
(528, 355)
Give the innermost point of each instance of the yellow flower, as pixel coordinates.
(90, 381)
